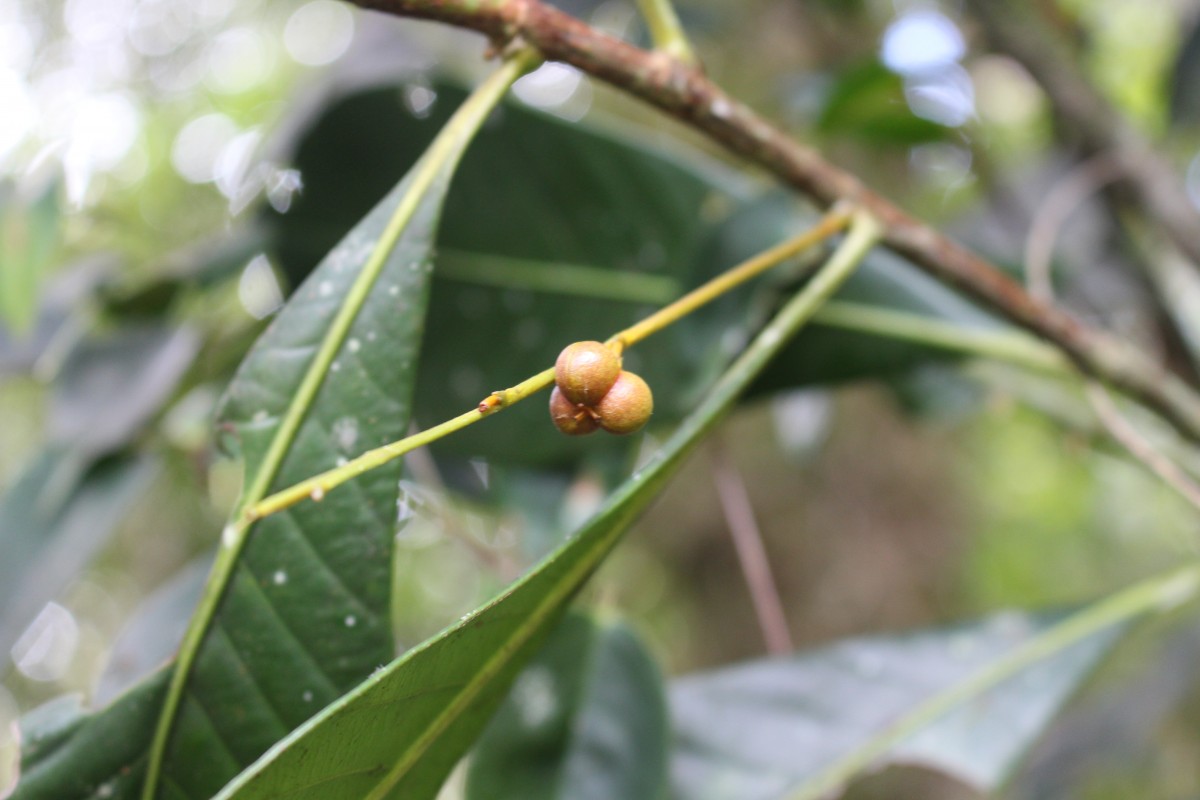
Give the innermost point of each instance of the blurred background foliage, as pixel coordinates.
(156, 208)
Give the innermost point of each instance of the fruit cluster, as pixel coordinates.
(592, 391)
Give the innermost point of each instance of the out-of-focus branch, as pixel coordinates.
(1059, 204)
(687, 94)
(751, 552)
(1039, 251)
(1015, 28)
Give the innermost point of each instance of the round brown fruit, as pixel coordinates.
(627, 405)
(585, 371)
(570, 418)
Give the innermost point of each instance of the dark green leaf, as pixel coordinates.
(867, 102)
(601, 232)
(445, 690)
(66, 753)
(305, 616)
(553, 233)
(761, 729)
(586, 720)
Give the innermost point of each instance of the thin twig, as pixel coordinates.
(1139, 446)
(689, 95)
(752, 555)
(1015, 27)
(1063, 200)
(317, 486)
(1052, 214)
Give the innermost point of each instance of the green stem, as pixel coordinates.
(1165, 591)
(317, 486)
(1023, 351)
(442, 155)
(553, 277)
(831, 223)
(863, 234)
(1010, 346)
(666, 32)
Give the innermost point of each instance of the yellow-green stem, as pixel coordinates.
(1004, 345)
(442, 154)
(317, 486)
(863, 234)
(831, 223)
(666, 32)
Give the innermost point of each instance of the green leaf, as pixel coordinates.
(554, 232)
(402, 730)
(56, 515)
(867, 102)
(558, 232)
(585, 720)
(305, 616)
(761, 729)
(66, 753)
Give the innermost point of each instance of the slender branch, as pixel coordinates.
(752, 555)
(1139, 446)
(316, 487)
(1085, 181)
(1053, 212)
(1014, 27)
(1175, 279)
(688, 95)
(1019, 350)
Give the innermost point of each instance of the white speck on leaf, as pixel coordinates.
(279, 578)
(351, 620)
(345, 432)
(353, 345)
(324, 288)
